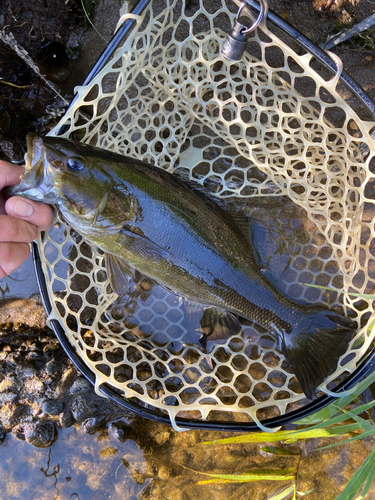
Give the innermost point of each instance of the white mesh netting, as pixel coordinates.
(276, 139)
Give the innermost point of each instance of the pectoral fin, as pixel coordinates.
(139, 245)
(119, 272)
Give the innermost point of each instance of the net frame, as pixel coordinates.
(186, 422)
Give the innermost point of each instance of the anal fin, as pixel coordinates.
(218, 324)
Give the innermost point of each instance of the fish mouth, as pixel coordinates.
(37, 180)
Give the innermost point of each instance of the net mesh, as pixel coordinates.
(273, 137)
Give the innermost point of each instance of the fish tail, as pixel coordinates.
(315, 345)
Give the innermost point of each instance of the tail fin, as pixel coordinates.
(315, 347)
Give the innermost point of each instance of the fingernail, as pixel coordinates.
(23, 208)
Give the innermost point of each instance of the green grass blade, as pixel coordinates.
(365, 473)
(288, 436)
(331, 410)
(89, 20)
(283, 494)
(370, 477)
(354, 438)
(254, 475)
(345, 415)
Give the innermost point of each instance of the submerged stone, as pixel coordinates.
(92, 424)
(66, 419)
(40, 435)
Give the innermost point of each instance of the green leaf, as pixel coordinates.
(354, 438)
(254, 475)
(331, 410)
(288, 436)
(299, 493)
(283, 494)
(366, 472)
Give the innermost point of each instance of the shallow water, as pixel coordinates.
(77, 466)
(160, 464)
(22, 282)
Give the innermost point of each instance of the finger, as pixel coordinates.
(12, 255)
(2, 204)
(9, 174)
(16, 230)
(33, 212)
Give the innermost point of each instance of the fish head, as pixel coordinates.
(65, 173)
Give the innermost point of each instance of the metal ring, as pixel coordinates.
(263, 10)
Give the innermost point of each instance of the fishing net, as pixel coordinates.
(278, 139)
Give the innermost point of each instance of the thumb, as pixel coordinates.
(36, 213)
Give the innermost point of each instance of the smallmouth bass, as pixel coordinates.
(147, 219)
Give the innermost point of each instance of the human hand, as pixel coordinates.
(20, 221)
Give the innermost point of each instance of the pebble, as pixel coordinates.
(2, 433)
(80, 386)
(51, 366)
(28, 372)
(91, 425)
(10, 413)
(121, 430)
(52, 407)
(66, 419)
(19, 432)
(8, 384)
(7, 397)
(81, 410)
(164, 473)
(40, 435)
(65, 382)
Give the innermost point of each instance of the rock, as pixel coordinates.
(7, 397)
(80, 386)
(164, 473)
(19, 432)
(10, 413)
(65, 382)
(66, 419)
(8, 384)
(121, 430)
(2, 434)
(81, 410)
(52, 407)
(92, 424)
(40, 435)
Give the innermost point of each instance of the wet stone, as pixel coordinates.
(19, 432)
(7, 397)
(10, 413)
(40, 435)
(81, 410)
(65, 382)
(164, 473)
(2, 433)
(80, 386)
(66, 419)
(52, 407)
(91, 425)
(121, 431)
(50, 367)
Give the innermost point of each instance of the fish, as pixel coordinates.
(146, 219)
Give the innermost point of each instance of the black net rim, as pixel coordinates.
(361, 372)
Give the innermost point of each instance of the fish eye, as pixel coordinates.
(75, 164)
